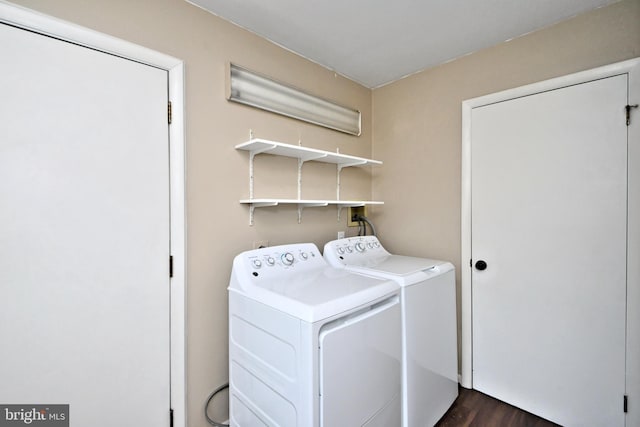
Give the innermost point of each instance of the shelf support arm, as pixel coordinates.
(253, 206)
(339, 169)
(252, 154)
(300, 163)
(341, 166)
(301, 207)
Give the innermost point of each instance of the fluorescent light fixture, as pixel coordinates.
(249, 88)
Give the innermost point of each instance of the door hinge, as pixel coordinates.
(170, 266)
(471, 263)
(625, 404)
(170, 417)
(169, 114)
(627, 110)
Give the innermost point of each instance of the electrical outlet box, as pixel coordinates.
(260, 244)
(354, 212)
(340, 234)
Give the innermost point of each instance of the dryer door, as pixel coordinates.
(360, 367)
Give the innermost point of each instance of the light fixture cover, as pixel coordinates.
(249, 88)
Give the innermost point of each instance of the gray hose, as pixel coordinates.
(206, 407)
(366, 220)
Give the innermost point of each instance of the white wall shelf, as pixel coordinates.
(257, 146)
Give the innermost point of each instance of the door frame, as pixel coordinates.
(28, 19)
(632, 69)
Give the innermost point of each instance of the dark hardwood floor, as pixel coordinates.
(475, 409)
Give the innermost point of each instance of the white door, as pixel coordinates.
(549, 219)
(84, 232)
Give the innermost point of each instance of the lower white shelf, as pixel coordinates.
(302, 203)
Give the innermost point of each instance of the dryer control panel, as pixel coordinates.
(280, 261)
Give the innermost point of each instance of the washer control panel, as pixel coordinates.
(354, 250)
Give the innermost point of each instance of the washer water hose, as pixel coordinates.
(206, 406)
(364, 220)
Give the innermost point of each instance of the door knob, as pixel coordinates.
(481, 265)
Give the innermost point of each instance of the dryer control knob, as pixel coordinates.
(360, 247)
(304, 255)
(287, 258)
(270, 261)
(340, 251)
(257, 263)
(349, 249)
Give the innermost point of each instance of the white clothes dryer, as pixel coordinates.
(429, 322)
(311, 345)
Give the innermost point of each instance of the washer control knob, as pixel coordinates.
(370, 245)
(287, 258)
(360, 247)
(349, 249)
(271, 261)
(304, 255)
(340, 251)
(257, 263)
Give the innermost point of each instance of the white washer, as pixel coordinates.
(311, 345)
(429, 323)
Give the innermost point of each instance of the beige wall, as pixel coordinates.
(416, 127)
(417, 121)
(217, 174)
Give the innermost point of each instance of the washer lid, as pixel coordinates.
(365, 255)
(399, 265)
(403, 270)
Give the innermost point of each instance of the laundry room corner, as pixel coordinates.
(265, 190)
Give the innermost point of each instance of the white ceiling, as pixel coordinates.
(375, 42)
